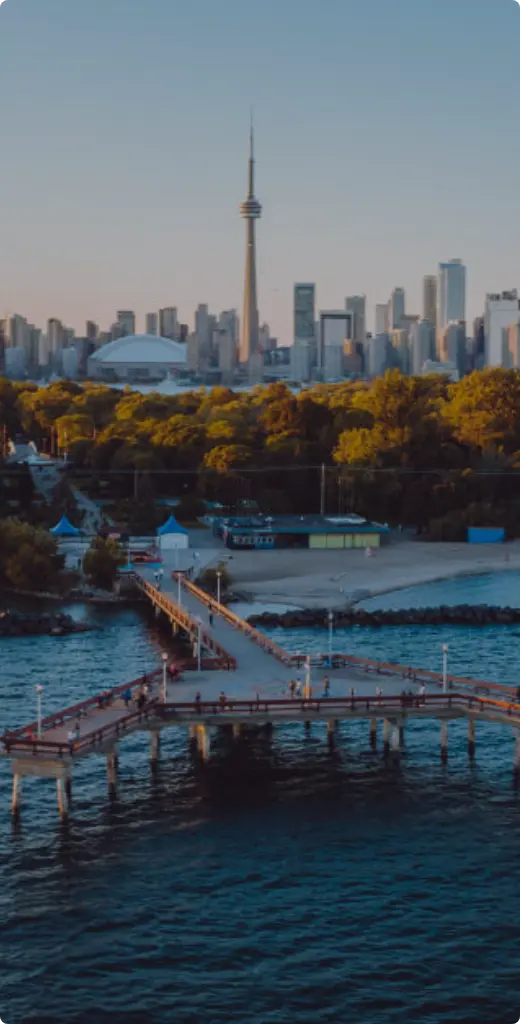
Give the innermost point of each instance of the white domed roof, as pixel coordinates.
(142, 348)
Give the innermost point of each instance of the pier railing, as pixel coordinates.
(278, 709)
(76, 711)
(185, 620)
(238, 623)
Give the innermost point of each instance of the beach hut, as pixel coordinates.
(172, 537)
(65, 529)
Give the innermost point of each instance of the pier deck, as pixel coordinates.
(245, 685)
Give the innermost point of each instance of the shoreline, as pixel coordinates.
(304, 580)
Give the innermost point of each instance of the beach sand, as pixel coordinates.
(319, 579)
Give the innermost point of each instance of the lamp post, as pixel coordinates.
(39, 691)
(331, 629)
(199, 625)
(219, 576)
(445, 649)
(308, 677)
(164, 679)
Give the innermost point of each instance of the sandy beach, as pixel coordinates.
(317, 579)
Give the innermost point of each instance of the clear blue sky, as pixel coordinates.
(387, 140)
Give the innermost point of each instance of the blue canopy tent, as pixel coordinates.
(65, 529)
(172, 535)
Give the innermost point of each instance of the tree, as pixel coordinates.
(29, 558)
(102, 561)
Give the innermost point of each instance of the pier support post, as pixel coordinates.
(155, 743)
(17, 792)
(203, 741)
(68, 787)
(386, 735)
(332, 731)
(444, 741)
(237, 730)
(397, 732)
(111, 770)
(471, 737)
(373, 733)
(63, 805)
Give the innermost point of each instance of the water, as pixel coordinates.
(280, 883)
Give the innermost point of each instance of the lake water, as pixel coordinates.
(279, 883)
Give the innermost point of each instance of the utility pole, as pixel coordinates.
(322, 490)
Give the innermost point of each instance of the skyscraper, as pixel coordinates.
(304, 312)
(396, 308)
(430, 299)
(356, 304)
(502, 309)
(251, 211)
(126, 320)
(451, 293)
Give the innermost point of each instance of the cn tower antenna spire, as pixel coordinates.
(251, 211)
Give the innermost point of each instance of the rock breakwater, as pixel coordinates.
(39, 624)
(445, 615)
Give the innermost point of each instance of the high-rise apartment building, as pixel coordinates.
(304, 312)
(396, 309)
(378, 346)
(381, 319)
(126, 321)
(430, 299)
(357, 305)
(55, 337)
(500, 312)
(452, 345)
(91, 331)
(151, 324)
(422, 344)
(251, 211)
(451, 293)
(168, 324)
(512, 345)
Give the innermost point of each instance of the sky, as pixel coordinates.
(387, 140)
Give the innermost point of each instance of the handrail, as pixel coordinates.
(235, 620)
(183, 618)
(406, 671)
(159, 710)
(60, 717)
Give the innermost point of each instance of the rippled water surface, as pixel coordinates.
(280, 883)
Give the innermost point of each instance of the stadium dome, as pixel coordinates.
(138, 357)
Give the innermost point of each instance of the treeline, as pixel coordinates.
(410, 451)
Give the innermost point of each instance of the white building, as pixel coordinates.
(302, 356)
(357, 305)
(151, 324)
(396, 308)
(430, 299)
(336, 327)
(226, 345)
(381, 319)
(140, 357)
(451, 293)
(126, 321)
(421, 344)
(501, 311)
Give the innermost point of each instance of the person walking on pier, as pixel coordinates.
(292, 688)
(210, 615)
(326, 686)
(298, 687)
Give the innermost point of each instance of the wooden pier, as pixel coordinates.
(242, 682)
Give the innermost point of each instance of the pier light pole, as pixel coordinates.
(308, 677)
(39, 691)
(199, 625)
(219, 577)
(445, 649)
(164, 657)
(331, 630)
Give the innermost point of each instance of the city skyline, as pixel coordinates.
(106, 210)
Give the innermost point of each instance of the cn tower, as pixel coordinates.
(251, 211)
